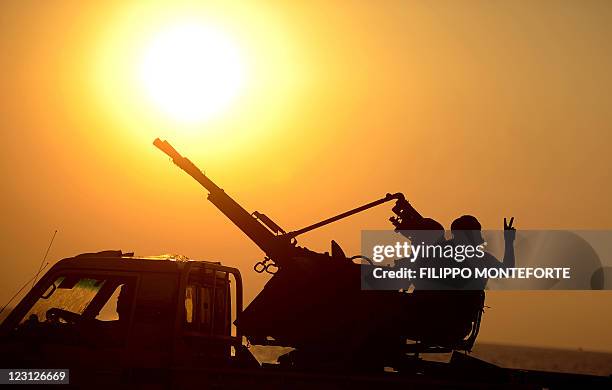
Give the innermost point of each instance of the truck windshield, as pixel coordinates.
(67, 293)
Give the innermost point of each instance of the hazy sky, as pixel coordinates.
(493, 108)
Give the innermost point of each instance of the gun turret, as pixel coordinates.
(314, 297)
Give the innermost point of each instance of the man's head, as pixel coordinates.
(466, 230)
(428, 231)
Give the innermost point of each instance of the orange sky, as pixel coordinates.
(481, 107)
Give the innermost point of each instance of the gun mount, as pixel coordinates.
(315, 304)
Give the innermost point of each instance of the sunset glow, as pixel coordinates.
(191, 72)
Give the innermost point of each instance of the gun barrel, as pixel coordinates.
(165, 147)
(258, 233)
(397, 196)
(186, 165)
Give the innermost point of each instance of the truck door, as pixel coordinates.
(150, 339)
(206, 335)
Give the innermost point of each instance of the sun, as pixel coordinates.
(191, 71)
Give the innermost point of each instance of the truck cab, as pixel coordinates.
(124, 315)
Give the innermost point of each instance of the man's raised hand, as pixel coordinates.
(509, 230)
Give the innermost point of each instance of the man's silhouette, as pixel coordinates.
(423, 231)
(439, 315)
(466, 230)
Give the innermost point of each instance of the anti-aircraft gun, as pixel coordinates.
(314, 301)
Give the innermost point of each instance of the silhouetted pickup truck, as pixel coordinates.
(112, 318)
(162, 322)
